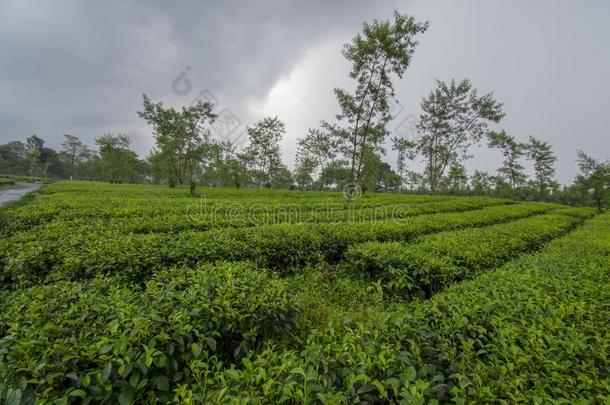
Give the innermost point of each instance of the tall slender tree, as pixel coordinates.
(594, 180)
(383, 49)
(263, 152)
(34, 154)
(542, 157)
(406, 150)
(512, 152)
(454, 117)
(74, 152)
(315, 151)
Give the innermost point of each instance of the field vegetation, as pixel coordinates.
(212, 272)
(120, 293)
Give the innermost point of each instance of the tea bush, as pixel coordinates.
(533, 331)
(143, 209)
(441, 259)
(112, 294)
(102, 341)
(33, 256)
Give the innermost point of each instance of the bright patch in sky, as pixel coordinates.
(305, 96)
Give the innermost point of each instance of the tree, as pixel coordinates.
(303, 173)
(406, 150)
(512, 152)
(501, 187)
(454, 117)
(369, 176)
(456, 180)
(73, 153)
(263, 152)
(181, 138)
(414, 180)
(280, 177)
(13, 158)
(593, 180)
(118, 164)
(336, 174)
(387, 179)
(236, 174)
(382, 49)
(52, 165)
(225, 168)
(315, 151)
(34, 155)
(481, 183)
(543, 159)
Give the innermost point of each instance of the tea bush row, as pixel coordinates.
(533, 331)
(51, 253)
(172, 214)
(444, 258)
(100, 341)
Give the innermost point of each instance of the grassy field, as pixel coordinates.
(142, 294)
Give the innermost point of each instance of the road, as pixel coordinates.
(12, 194)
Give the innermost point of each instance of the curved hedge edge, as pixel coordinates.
(439, 260)
(100, 340)
(534, 330)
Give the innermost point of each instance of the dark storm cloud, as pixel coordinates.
(80, 67)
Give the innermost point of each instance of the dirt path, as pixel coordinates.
(12, 194)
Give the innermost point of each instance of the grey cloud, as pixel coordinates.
(81, 67)
(85, 64)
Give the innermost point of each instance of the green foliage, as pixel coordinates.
(512, 152)
(532, 331)
(383, 49)
(117, 162)
(182, 138)
(55, 250)
(74, 155)
(454, 117)
(441, 259)
(100, 340)
(315, 151)
(543, 159)
(406, 149)
(109, 296)
(262, 155)
(593, 181)
(455, 182)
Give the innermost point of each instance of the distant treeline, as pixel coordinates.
(115, 162)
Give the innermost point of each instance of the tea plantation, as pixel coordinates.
(141, 294)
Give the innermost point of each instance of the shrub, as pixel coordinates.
(33, 256)
(534, 330)
(441, 259)
(101, 341)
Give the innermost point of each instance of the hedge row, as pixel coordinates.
(56, 255)
(71, 200)
(173, 215)
(103, 342)
(439, 260)
(533, 331)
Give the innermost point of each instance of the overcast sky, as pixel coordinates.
(81, 67)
